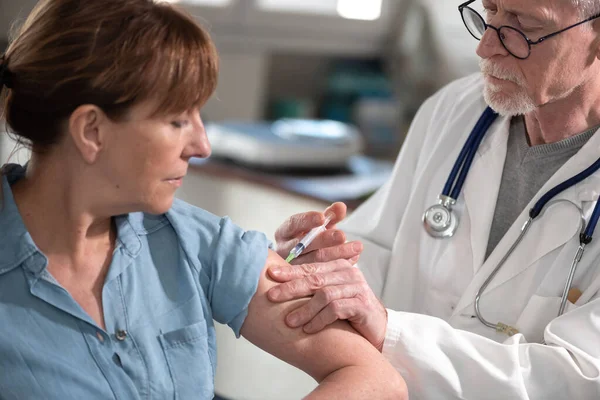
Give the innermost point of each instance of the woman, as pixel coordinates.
(109, 287)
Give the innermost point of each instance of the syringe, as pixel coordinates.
(306, 240)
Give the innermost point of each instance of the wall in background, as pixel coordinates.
(258, 50)
(10, 11)
(10, 151)
(13, 10)
(241, 80)
(241, 90)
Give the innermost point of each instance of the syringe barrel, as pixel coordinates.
(310, 236)
(299, 248)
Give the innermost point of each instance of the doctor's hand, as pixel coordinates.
(329, 245)
(339, 291)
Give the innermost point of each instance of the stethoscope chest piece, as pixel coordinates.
(439, 220)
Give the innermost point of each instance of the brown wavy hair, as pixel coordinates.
(110, 53)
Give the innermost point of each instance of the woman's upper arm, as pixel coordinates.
(318, 354)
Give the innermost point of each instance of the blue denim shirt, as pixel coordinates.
(170, 276)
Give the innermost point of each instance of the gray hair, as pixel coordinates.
(587, 8)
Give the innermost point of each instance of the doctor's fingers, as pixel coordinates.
(344, 309)
(298, 272)
(337, 211)
(346, 251)
(331, 298)
(328, 238)
(299, 224)
(371, 324)
(322, 276)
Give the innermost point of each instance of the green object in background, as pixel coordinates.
(291, 108)
(350, 81)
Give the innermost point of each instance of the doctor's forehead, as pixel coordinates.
(544, 9)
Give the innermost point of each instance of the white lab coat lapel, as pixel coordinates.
(480, 191)
(539, 240)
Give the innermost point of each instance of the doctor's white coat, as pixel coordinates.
(433, 338)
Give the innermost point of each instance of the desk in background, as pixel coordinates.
(352, 185)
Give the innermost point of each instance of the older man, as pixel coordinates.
(497, 285)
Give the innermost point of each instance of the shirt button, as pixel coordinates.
(121, 335)
(100, 337)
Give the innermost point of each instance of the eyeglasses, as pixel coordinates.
(513, 40)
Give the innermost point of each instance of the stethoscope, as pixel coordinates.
(441, 222)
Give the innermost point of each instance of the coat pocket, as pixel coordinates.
(190, 360)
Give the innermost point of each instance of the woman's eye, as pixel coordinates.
(179, 124)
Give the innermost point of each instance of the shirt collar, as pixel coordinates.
(127, 234)
(16, 245)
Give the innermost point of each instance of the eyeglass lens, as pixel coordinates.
(512, 39)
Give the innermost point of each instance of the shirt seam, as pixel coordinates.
(216, 243)
(131, 336)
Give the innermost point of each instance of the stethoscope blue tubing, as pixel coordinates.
(591, 225)
(467, 155)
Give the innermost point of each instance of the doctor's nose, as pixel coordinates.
(490, 45)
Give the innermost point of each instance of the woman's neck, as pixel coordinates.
(58, 215)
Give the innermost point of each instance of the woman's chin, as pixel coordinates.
(159, 207)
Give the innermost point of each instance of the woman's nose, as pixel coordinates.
(198, 146)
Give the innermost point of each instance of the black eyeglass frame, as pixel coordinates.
(529, 41)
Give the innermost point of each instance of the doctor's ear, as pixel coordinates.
(85, 127)
(596, 44)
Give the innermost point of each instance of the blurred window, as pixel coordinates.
(208, 3)
(368, 10)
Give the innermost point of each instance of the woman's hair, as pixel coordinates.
(110, 53)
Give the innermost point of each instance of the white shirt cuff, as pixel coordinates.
(393, 332)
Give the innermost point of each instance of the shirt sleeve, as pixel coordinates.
(440, 362)
(228, 259)
(238, 260)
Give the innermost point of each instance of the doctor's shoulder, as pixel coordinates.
(449, 111)
(457, 98)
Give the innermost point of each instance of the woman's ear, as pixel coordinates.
(85, 129)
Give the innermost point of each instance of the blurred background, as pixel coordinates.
(313, 103)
